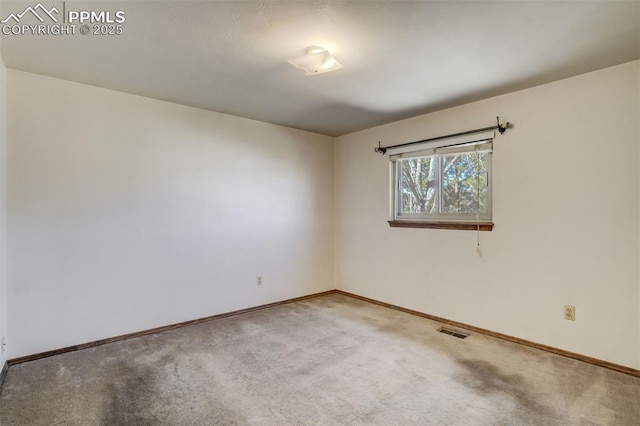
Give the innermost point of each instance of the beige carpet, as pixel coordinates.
(331, 360)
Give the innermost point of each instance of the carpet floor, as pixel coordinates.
(329, 360)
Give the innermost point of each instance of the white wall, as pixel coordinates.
(566, 199)
(638, 260)
(125, 213)
(3, 283)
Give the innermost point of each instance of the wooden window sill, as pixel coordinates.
(466, 226)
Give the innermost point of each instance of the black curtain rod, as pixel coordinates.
(499, 127)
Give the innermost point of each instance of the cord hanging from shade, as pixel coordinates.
(501, 127)
(478, 249)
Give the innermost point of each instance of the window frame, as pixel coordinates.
(467, 221)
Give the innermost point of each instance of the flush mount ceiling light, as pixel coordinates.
(318, 60)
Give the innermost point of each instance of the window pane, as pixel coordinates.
(461, 190)
(418, 188)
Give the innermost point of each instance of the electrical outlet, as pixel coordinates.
(3, 344)
(259, 280)
(570, 312)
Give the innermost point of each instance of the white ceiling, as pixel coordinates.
(401, 58)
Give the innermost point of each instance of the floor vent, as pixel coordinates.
(453, 333)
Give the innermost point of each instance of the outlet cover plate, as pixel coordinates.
(570, 312)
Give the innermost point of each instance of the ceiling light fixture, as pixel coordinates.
(318, 60)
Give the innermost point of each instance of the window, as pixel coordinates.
(443, 186)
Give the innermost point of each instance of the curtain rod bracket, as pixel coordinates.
(380, 149)
(502, 127)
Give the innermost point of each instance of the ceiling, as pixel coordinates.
(401, 58)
